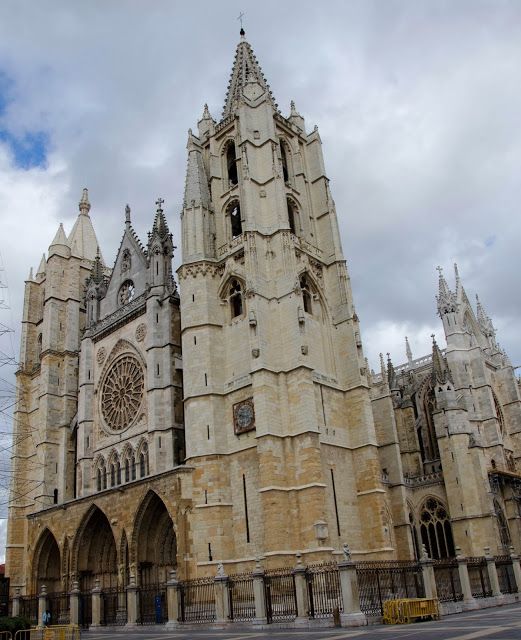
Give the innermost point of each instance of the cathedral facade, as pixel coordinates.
(233, 415)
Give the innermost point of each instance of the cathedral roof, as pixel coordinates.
(245, 69)
(82, 239)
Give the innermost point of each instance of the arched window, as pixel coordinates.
(436, 530)
(142, 469)
(39, 347)
(127, 470)
(118, 472)
(133, 467)
(306, 294)
(234, 211)
(112, 474)
(499, 413)
(502, 525)
(231, 164)
(292, 216)
(98, 483)
(236, 299)
(55, 496)
(284, 159)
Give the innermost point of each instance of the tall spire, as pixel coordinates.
(160, 225)
(245, 70)
(408, 351)
(82, 240)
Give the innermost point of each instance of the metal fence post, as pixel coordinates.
(172, 601)
(259, 593)
(96, 604)
(516, 568)
(429, 580)
(299, 573)
(16, 602)
(492, 573)
(42, 604)
(132, 602)
(222, 601)
(468, 600)
(74, 603)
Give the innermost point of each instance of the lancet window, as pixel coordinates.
(101, 475)
(143, 461)
(292, 216)
(284, 160)
(502, 525)
(436, 530)
(231, 164)
(235, 296)
(306, 294)
(499, 413)
(234, 213)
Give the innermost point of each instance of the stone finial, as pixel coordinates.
(18, 591)
(424, 553)
(346, 551)
(43, 590)
(84, 204)
(220, 570)
(258, 563)
(127, 214)
(172, 575)
(486, 550)
(383, 370)
(298, 556)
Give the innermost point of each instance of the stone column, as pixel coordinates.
(492, 573)
(96, 605)
(515, 566)
(42, 605)
(301, 590)
(222, 601)
(132, 602)
(429, 579)
(74, 603)
(468, 601)
(173, 601)
(259, 592)
(351, 615)
(16, 603)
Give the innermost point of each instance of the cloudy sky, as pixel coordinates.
(418, 104)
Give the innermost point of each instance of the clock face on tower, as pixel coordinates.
(243, 416)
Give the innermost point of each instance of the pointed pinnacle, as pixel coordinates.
(408, 351)
(127, 215)
(84, 204)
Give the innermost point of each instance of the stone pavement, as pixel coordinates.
(500, 623)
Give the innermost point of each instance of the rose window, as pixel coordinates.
(122, 393)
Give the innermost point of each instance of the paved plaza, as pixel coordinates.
(501, 623)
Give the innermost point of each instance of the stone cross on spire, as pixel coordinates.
(159, 202)
(84, 204)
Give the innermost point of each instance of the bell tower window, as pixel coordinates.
(231, 164)
(235, 219)
(284, 160)
(236, 299)
(292, 214)
(306, 294)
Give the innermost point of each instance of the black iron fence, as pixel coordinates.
(198, 600)
(113, 607)
(387, 580)
(85, 609)
(324, 592)
(281, 596)
(241, 597)
(29, 609)
(58, 606)
(505, 574)
(478, 577)
(448, 585)
(152, 604)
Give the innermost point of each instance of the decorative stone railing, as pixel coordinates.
(427, 478)
(118, 315)
(229, 246)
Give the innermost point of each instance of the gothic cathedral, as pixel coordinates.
(233, 415)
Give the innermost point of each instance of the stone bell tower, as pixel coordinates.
(278, 419)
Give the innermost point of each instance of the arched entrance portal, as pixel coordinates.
(96, 557)
(156, 546)
(47, 564)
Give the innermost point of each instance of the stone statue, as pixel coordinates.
(347, 552)
(220, 570)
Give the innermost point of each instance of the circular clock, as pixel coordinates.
(244, 416)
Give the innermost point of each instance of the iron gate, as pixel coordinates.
(505, 574)
(198, 600)
(281, 596)
(241, 597)
(85, 609)
(114, 610)
(324, 592)
(448, 585)
(152, 604)
(58, 605)
(387, 580)
(478, 577)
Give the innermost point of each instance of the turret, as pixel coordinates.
(160, 250)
